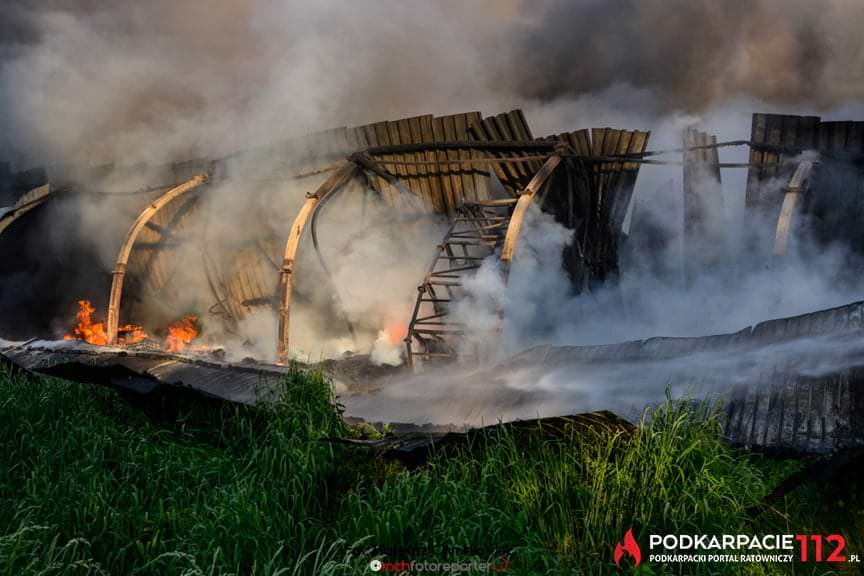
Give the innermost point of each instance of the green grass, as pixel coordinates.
(89, 485)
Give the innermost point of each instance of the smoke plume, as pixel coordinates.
(90, 81)
(691, 55)
(653, 296)
(472, 396)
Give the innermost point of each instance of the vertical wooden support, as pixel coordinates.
(129, 242)
(337, 180)
(704, 231)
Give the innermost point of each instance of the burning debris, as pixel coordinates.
(181, 334)
(95, 333)
(792, 383)
(86, 329)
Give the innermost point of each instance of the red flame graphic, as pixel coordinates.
(631, 547)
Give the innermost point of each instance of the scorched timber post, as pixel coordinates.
(336, 181)
(126, 249)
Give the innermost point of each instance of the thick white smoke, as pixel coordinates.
(353, 293)
(478, 395)
(743, 285)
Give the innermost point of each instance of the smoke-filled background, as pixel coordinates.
(89, 80)
(93, 82)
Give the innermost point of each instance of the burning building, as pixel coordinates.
(374, 239)
(464, 182)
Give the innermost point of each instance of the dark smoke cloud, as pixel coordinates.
(83, 80)
(694, 53)
(160, 79)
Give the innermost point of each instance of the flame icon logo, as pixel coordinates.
(630, 547)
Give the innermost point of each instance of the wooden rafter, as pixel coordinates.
(27, 202)
(336, 181)
(796, 186)
(526, 198)
(126, 249)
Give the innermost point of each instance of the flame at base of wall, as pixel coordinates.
(87, 329)
(95, 333)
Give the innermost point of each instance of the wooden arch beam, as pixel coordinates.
(126, 249)
(286, 284)
(797, 185)
(526, 198)
(30, 200)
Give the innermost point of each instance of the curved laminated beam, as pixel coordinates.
(126, 249)
(790, 202)
(27, 202)
(514, 228)
(336, 181)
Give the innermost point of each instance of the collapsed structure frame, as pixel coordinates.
(495, 155)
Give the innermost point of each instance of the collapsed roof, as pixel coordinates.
(445, 164)
(480, 173)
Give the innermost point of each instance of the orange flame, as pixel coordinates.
(395, 332)
(181, 333)
(86, 329)
(130, 334)
(95, 333)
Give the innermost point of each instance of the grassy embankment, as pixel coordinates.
(90, 485)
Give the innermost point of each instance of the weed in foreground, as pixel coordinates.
(88, 485)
